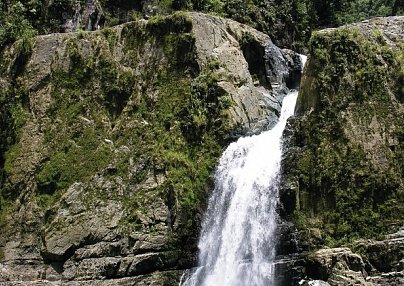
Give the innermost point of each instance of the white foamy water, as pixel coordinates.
(237, 243)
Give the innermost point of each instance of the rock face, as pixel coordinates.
(110, 140)
(254, 71)
(343, 170)
(89, 17)
(379, 263)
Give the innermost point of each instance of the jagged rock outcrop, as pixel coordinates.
(111, 139)
(343, 170)
(339, 266)
(254, 71)
(374, 263)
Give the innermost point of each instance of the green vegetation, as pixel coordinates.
(15, 25)
(186, 128)
(6, 129)
(187, 136)
(355, 190)
(354, 11)
(171, 119)
(289, 23)
(13, 115)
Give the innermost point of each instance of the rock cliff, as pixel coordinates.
(343, 170)
(108, 140)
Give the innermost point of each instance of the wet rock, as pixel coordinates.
(386, 255)
(373, 263)
(253, 71)
(338, 266)
(88, 16)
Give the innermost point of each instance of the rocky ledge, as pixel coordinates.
(372, 263)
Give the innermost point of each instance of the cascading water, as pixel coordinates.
(237, 243)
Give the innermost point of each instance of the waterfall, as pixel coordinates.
(237, 243)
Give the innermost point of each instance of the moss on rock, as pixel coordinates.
(348, 165)
(114, 138)
(126, 117)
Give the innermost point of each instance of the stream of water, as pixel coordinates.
(237, 243)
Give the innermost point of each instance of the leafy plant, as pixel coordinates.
(14, 25)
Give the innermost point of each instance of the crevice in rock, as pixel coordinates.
(254, 54)
(50, 258)
(57, 266)
(171, 204)
(21, 61)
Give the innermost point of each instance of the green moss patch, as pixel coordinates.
(150, 116)
(353, 85)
